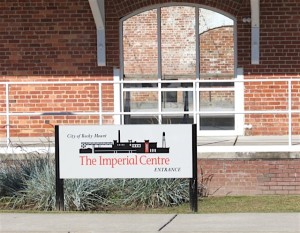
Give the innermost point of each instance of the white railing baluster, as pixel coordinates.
(290, 111)
(7, 114)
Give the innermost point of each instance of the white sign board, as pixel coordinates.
(125, 151)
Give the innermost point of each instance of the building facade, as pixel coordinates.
(54, 54)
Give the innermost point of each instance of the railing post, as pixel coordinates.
(159, 65)
(195, 83)
(117, 97)
(198, 104)
(7, 114)
(159, 103)
(194, 101)
(122, 103)
(290, 110)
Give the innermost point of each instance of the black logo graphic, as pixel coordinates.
(124, 147)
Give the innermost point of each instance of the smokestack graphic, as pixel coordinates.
(164, 145)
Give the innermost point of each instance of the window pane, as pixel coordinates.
(216, 48)
(216, 63)
(177, 101)
(217, 101)
(140, 47)
(140, 101)
(216, 122)
(178, 41)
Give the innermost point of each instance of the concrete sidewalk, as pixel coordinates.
(208, 223)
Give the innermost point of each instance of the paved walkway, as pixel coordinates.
(92, 223)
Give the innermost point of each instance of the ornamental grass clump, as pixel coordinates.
(13, 174)
(30, 184)
(86, 194)
(38, 190)
(154, 192)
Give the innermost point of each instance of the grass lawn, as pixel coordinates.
(238, 204)
(229, 204)
(262, 204)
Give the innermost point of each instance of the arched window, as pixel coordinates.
(179, 42)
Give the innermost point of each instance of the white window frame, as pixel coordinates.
(238, 87)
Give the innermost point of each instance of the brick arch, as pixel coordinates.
(126, 7)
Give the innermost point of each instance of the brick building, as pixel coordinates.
(48, 46)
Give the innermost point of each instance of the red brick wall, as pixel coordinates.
(50, 38)
(45, 40)
(279, 58)
(271, 96)
(48, 99)
(250, 177)
(52, 41)
(279, 39)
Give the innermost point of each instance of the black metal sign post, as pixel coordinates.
(193, 180)
(59, 182)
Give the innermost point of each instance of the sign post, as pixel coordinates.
(194, 179)
(58, 182)
(125, 151)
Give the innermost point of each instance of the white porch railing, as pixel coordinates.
(196, 111)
